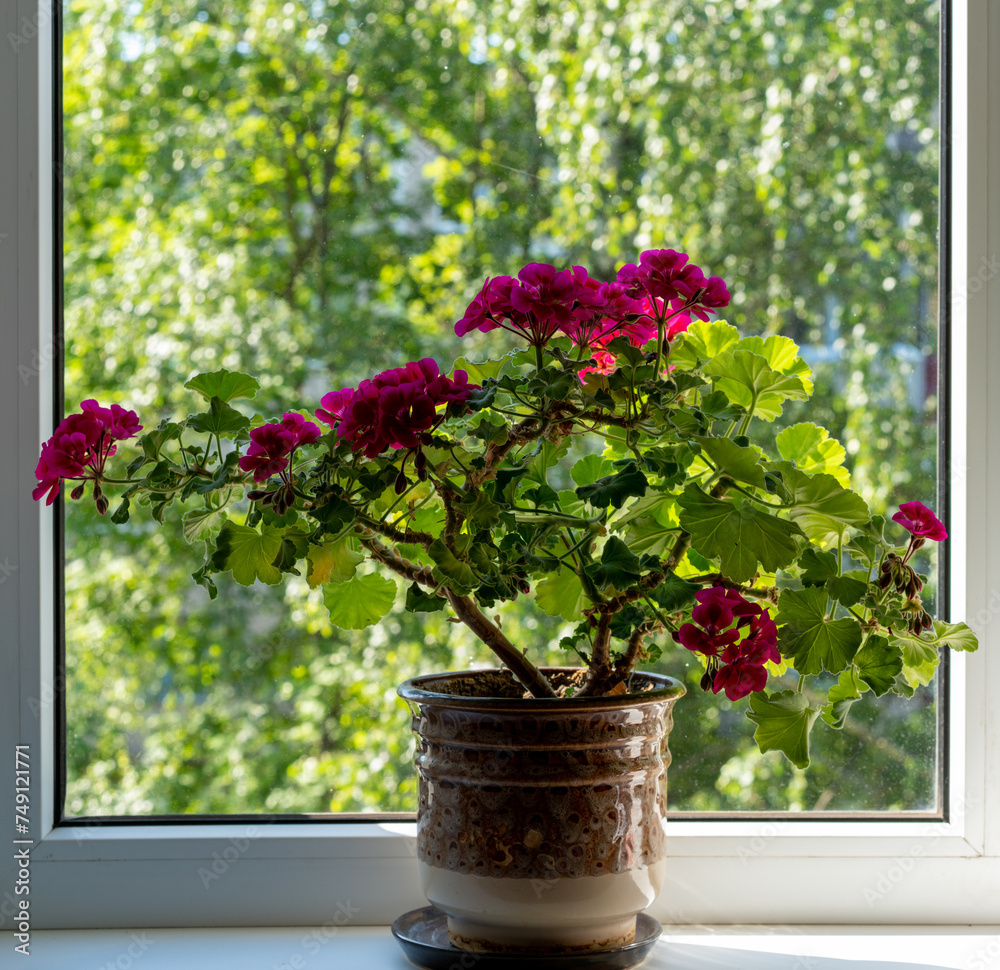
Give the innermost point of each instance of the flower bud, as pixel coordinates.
(706, 681)
(77, 492)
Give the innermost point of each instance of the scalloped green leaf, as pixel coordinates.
(784, 720)
(740, 535)
(360, 602)
(879, 663)
(219, 419)
(201, 523)
(334, 561)
(703, 340)
(813, 451)
(841, 699)
(749, 381)
(781, 354)
(739, 463)
(808, 640)
(821, 506)
(614, 489)
(561, 594)
(248, 554)
(590, 468)
(225, 385)
(619, 566)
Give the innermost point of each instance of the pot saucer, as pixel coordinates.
(423, 935)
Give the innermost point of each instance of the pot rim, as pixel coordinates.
(419, 690)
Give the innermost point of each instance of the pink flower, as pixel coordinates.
(491, 304)
(920, 521)
(737, 636)
(335, 404)
(547, 294)
(661, 273)
(392, 409)
(739, 678)
(81, 445)
(272, 444)
(713, 296)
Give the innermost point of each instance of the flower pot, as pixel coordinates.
(540, 824)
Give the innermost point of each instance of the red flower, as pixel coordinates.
(736, 665)
(80, 446)
(920, 521)
(491, 304)
(393, 408)
(661, 273)
(271, 445)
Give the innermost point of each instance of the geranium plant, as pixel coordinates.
(606, 468)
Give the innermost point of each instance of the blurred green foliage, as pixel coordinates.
(310, 192)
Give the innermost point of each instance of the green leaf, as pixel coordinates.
(808, 640)
(418, 600)
(615, 489)
(878, 663)
(841, 699)
(450, 570)
(740, 535)
(783, 720)
(748, 380)
(561, 594)
(619, 566)
(223, 384)
(481, 510)
(702, 340)
(334, 513)
(674, 593)
(590, 468)
(781, 354)
(360, 602)
(813, 451)
(817, 567)
(849, 588)
(219, 419)
(201, 523)
(741, 464)
(120, 514)
(822, 508)
(152, 442)
(334, 561)
(957, 636)
(248, 553)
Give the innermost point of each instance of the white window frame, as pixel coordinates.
(252, 872)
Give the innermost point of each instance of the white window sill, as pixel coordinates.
(680, 948)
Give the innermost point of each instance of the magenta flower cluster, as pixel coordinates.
(663, 290)
(737, 637)
(80, 446)
(392, 409)
(271, 445)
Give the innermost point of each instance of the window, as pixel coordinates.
(242, 190)
(245, 872)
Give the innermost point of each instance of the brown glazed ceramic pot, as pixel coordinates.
(541, 822)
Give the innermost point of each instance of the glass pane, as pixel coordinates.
(313, 192)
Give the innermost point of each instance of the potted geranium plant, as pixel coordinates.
(606, 468)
